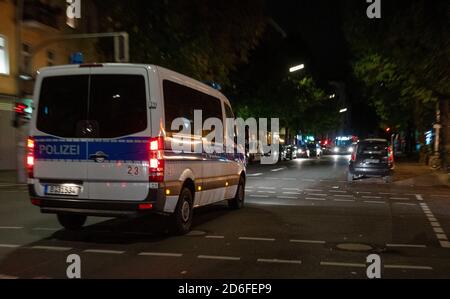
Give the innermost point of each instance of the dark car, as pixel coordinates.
(302, 151)
(314, 150)
(372, 158)
(288, 152)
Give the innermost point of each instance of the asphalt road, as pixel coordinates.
(298, 215)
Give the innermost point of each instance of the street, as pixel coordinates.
(302, 219)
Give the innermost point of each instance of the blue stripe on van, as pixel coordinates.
(124, 149)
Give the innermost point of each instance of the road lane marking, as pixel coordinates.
(308, 180)
(256, 239)
(375, 202)
(372, 197)
(386, 193)
(344, 200)
(313, 190)
(351, 265)
(445, 244)
(289, 179)
(259, 196)
(223, 258)
(286, 197)
(6, 277)
(405, 204)
(102, 251)
(9, 246)
(346, 196)
(334, 191)
(406, 267)
(292, 193)
(51, 248)
(160, 254)
(267, 188)
(308, 242)
(268, 192)
(316, 199)
(442, 237)
(419, 197)
(254, 174)
(215, 237)
(11, 227)
(437, 228)
(406, 246)
(291, 189)
(277, 261)
(316, 194)
(278, 169)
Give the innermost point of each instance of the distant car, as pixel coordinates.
(372, 158)
(302, 152)
(288, 152)
(315, 151)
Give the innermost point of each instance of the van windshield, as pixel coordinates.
(96, 106)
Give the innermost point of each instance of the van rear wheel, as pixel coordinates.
(182, 218)
(238, 201)
(72, 222)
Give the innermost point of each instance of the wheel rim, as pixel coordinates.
(185, 211)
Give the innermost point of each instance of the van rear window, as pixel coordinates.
(97, 106)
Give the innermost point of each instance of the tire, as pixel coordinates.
(350, 177)
(72, 222)
(237, 202)
(181, 221)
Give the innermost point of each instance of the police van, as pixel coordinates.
(101, 145)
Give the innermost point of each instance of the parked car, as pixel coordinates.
(302, 151)
(372, 158)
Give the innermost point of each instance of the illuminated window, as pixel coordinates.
(4, 59)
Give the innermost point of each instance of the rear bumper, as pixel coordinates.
(368, 171)
(100, 208)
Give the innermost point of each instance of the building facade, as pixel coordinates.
(26, 27)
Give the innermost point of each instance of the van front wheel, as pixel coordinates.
(72, 222)
(182, 218)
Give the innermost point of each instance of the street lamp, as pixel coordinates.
(332, 96)
(343, 110)
(297, 68)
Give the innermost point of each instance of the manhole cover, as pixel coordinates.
(354, 247)
(196, 233)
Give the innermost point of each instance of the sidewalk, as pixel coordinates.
(420, 175)
(8, 177)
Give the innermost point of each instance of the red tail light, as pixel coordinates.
(354, 156)
(30, 157)
(145, 206)
(156, 159)
(390, 155)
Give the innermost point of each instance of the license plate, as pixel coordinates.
(372, 161)
(67, 190)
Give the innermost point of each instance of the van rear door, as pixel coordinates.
(60, 150)
(118, 150)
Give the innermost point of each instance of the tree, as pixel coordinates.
(199, 38)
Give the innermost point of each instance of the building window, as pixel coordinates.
(4, 59)
(50, 58)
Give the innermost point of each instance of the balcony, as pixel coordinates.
(39, 15)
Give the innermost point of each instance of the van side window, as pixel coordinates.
(181, 101)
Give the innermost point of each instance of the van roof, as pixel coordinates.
(179, 77)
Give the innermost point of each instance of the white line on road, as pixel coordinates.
(254, 174)
(308, 180)
(291, 189)
(160, 254)
(406, 267)
(316, 194)
(268, 192)
(419, 197)
(259, 196)
(445, 244)
(346, 196)
(9, 246)
(6, 277)
(335, 191)
(256, 239)
(278, 169)
(223, 258)
(277, 261)
(313, 190)
(316, 199)
(405, 246)
(215, 237)
(11, 227)
(286, 197)
(405, 204)
(292, 193)
(344, 200)
(267, 188)
(51, 248)
(375, 202)
(104, 251)
(352, 265)
(308, 241)
(372, 197)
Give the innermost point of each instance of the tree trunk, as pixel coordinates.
(445, 133)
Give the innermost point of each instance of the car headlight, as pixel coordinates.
(336, 150)
(350, 149)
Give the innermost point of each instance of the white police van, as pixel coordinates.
(100, 145)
